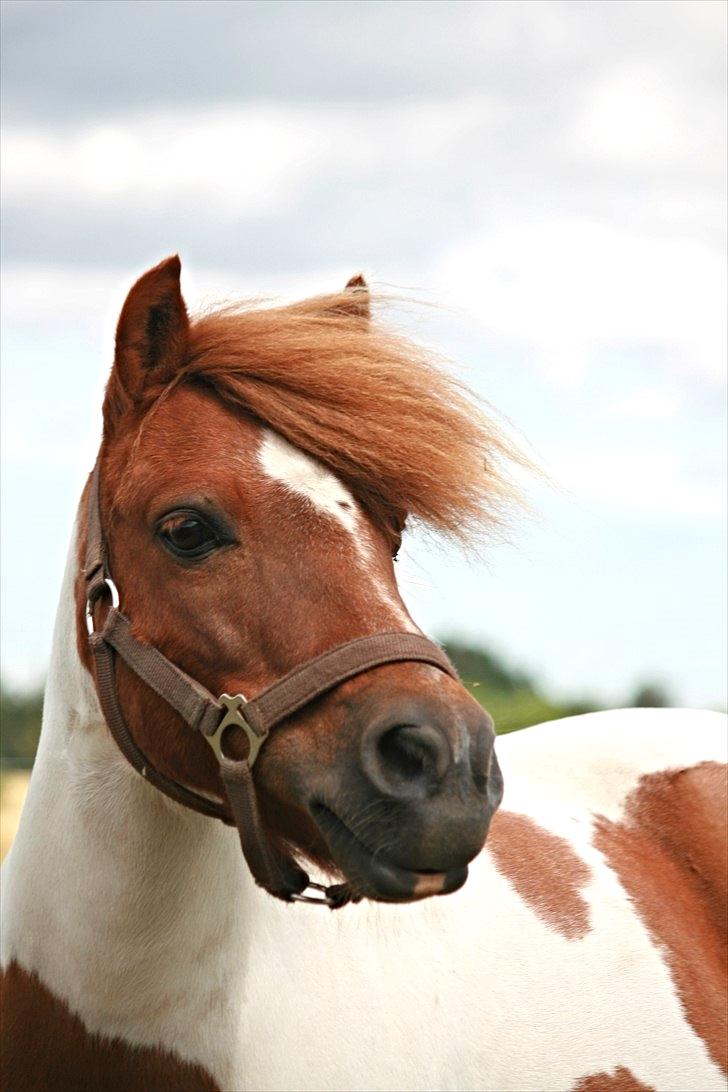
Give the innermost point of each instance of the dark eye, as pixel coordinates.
(188, 536)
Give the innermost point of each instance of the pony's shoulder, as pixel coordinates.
(596, 760)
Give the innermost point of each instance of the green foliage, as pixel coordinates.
(650, 696)
(20, 716)
(516, 709)
(509, 695)
(476, 666)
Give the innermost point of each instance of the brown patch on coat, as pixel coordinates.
(544, 870)
(622, 1080)
(44, 1045)
(670, 853)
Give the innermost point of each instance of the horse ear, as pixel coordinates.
(358, 289)
(151, 339)
(356, 300)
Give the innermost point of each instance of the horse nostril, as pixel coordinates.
(403, 753)
(408, 758)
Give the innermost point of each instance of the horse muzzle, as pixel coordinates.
(405, 821)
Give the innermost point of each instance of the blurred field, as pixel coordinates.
(13, 787)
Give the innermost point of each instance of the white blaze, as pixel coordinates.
(309, 478)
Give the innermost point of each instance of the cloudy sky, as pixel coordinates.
(552, 174)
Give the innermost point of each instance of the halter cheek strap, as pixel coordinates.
(278, 873)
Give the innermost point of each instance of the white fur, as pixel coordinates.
(143, 918)
(308, 478)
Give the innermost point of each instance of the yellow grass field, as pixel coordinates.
(13, 787)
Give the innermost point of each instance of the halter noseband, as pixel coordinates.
(276, 872)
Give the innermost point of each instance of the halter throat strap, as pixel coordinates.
(278, 873)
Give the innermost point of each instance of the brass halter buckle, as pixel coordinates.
(235, 719)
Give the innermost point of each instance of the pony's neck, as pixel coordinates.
(127, 905)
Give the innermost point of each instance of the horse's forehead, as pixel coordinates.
(233, 452)
(306, 477)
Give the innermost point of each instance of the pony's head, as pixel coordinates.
(257, 469)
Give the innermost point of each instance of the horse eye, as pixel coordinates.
(188, 536)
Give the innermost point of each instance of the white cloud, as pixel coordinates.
(246, 160)
(638, 114)
(250, 159)
(41, 297)
(649, 482)
(567, 287)
(21, 446)
(646, 404)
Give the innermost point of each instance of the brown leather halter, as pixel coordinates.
(276, 872)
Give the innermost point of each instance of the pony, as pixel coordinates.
(257, 469)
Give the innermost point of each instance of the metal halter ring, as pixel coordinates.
(322, 899)
(113, 592)
(234, 718)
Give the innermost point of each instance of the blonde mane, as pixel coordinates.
(377, 409)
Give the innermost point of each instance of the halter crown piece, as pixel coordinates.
(275, 871)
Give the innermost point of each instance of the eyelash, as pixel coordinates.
(208, 538)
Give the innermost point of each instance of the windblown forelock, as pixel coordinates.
(377, 409)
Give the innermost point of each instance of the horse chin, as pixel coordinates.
(371, 874)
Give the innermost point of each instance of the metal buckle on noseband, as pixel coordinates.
(323, 899)
(113, 592)
(234, 718)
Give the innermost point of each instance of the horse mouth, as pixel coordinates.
(371, 874)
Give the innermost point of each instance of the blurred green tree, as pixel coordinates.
(476, 665)
(20, 716)
(650, 695)
(509, 694)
